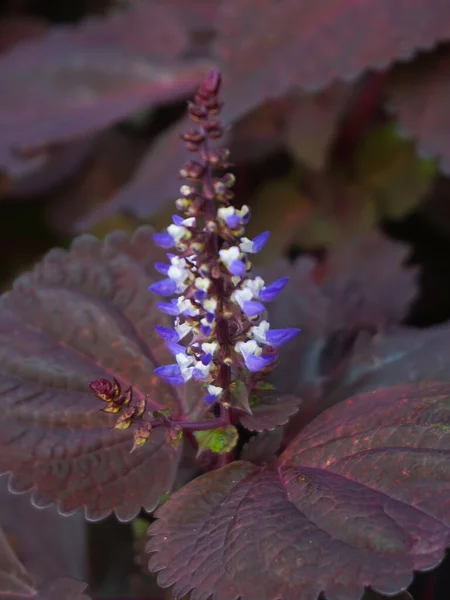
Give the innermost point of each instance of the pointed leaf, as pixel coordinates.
(80, 316)
(261, 448)
(219, 441)
(364, 490)
(14, 578)
(425, 82)
(79, 79)
(310, 44)
(269, 412)
(389, 168)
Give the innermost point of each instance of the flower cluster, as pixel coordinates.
(219, 334)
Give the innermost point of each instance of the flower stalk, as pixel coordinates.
(220, 337)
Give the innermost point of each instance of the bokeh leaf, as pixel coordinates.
(310, 44)
(79, 316)
(389, 168)
(364, 490)
(418, 97)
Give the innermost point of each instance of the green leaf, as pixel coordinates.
(219, 441)
(388, 167)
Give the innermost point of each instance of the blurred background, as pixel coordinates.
(337, 117)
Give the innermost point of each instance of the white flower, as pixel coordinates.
(202, 369)
(209, 348)
(214, 390)
(177, 232)
(225, 212)
(189, 222)
(246, 245)
(229, 255)
(202, 283)
(241, 296)
(243, 211)
(259, 332)
(184, 362)
(210, 305)
(247, 348)
(186, 307)
(255, 285)
(182, 329)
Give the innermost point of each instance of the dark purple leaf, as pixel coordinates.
(14, 578)
(79, 79)
(424, 83)
(49, 546)
(270, 412)
(360, 498)
(80, 316)
(311, 44)
(261, 448)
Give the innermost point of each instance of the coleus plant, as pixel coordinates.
(359, 498)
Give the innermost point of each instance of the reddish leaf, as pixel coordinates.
(14, 578)
(261, 448)
(80, 79)
(270, 412)
(80, 316)
(361, 498)
(420, 95)
(360, 277)
(362, 286)
(49, 546)
(155, 181)
(310, 44)
(313, 122)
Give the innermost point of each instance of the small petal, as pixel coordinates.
(270, 292)
(251, 308)
(175, 348)
(237, 267)
(257, 363)
(177, 219)
(163, 240)
(168, 335)
(210, 399)
(206, 359)
(255, 245)
(182, 329)
(215, 390)
(162, 268)
(205, 330)
(165, 287)
(278, 337)
(171, 374)
(170, 308)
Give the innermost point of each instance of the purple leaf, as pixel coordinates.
(364, 489)
(78, 79)
(80, 316)
(270, 412)
(261, 448)
(16, 582)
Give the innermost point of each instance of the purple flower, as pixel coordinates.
(210, 399)
(206, 359)
(165, 287)
(252, 308)
(168, 335)
(278, 337)
(170, 308)
(270, 292)
(171, 374)
(163, 240)
(175, 348)
(257, 363)
(237, 267)
(177, 220)
(255, 245)
(233, 221)
(162, 268)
